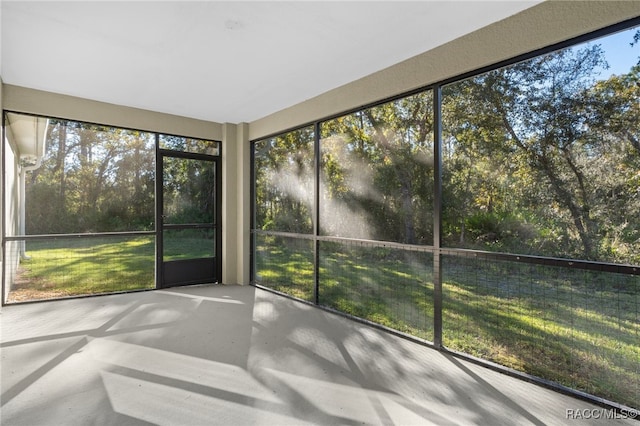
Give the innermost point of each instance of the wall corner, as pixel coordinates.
(236, 206)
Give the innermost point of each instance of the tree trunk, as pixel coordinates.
(407, 208)
(579, 214)
(60, 161)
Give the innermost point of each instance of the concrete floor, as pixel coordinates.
(234, 355)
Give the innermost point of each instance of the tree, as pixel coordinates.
(546, 143)
(378, 165)
(283, 171)
(92, 179)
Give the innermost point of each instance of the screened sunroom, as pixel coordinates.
(434, 219)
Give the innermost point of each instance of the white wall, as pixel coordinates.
(231, 187)
(1, 185)
(11, 218)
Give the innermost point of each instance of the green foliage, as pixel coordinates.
(189, 190)
(377, 170)
(283, 170)
(483, 224)
(102, 179)
(92, 179)
(541, 157)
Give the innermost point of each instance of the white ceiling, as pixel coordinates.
(222, 61)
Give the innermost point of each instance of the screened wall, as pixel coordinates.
(80, 206)
(495, 214)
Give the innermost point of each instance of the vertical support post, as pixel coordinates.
(316, 212)
(244, 203)
(437, 216)
(230, 189)
(159, 213)
(252, 210)
(219, 222)
(2, 201)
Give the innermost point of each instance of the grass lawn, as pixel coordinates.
(575, 327)
(82, 266)
(578, 328)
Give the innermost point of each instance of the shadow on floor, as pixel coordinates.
(240, 355)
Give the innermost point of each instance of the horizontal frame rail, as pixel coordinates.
(84, 235)
(370, 243)
(189, 225)
(546, 261)
(468, 253)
